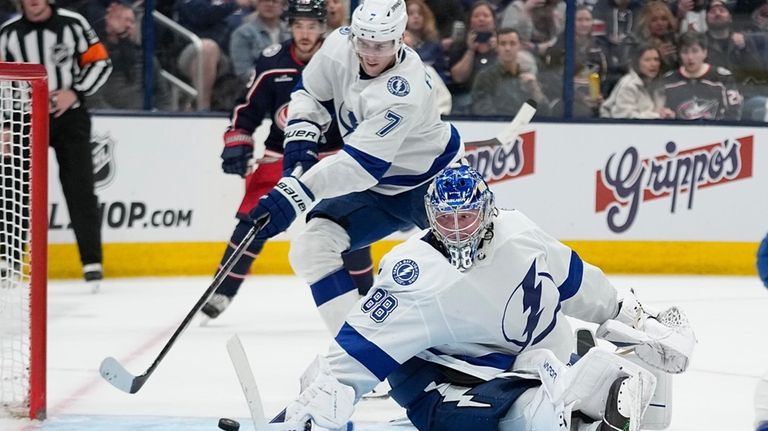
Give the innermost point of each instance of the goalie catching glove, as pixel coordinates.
(281, 206)
(326, 401)
(664, 341)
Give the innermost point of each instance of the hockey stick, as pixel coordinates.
(252, 395)
(119, 377)
(509, 133)
(247, 381)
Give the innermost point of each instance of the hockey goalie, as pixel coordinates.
(467, 321)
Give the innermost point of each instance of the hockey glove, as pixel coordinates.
(238, 151)
(300, 146)
(328, 402)
(281, 206)
(299, 153)
(664, 341)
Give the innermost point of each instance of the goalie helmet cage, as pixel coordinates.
(23, 239)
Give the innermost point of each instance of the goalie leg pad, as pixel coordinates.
(534, 411)
(658, 415)
(585, 385)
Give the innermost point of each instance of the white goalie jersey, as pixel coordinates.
(394, 137)
(513, 299)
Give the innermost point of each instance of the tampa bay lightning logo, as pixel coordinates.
(525, 299)
(398, 86)
(405, 272)
(345, 30)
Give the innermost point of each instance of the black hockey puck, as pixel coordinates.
(229, 424)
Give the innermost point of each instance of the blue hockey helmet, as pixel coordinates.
(460, 207)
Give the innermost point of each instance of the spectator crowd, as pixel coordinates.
(645, 59)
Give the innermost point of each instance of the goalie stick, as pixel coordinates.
(251, 392)
(113, 372)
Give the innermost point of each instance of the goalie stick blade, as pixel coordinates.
(113, 372)
(247, 382)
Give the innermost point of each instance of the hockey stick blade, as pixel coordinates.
(509, 133)
(113, 372)
(119, 377)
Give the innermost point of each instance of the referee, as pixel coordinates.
(77, 65)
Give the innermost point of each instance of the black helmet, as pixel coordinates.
(313, 9)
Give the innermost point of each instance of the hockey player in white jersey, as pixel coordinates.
(395, 143)
(468, 321)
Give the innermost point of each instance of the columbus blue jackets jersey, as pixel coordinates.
(713, 96)
(515, 298)
(277, 71)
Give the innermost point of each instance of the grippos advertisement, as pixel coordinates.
(621, 182)
(157, 180)
(678, 175)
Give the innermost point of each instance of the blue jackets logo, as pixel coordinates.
(405, 272)
(398, 86)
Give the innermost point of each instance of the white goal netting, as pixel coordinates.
(19, 350)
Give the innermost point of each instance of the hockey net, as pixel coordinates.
(23, 238)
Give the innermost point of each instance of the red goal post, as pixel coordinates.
(23, 239)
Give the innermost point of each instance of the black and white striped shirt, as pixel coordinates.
(67, 46)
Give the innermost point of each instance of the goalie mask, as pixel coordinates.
(460, 207)
(378, 27)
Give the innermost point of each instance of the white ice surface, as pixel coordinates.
(131, 319)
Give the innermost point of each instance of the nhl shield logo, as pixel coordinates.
(102, 151)
(405, 272)
(60, 53)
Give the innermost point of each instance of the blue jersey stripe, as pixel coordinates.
(299, 86)
(500, 361)
(332, 286)
(454, 143)
(328, 105)
(373, 165)
(376, 360)
(572, 284)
